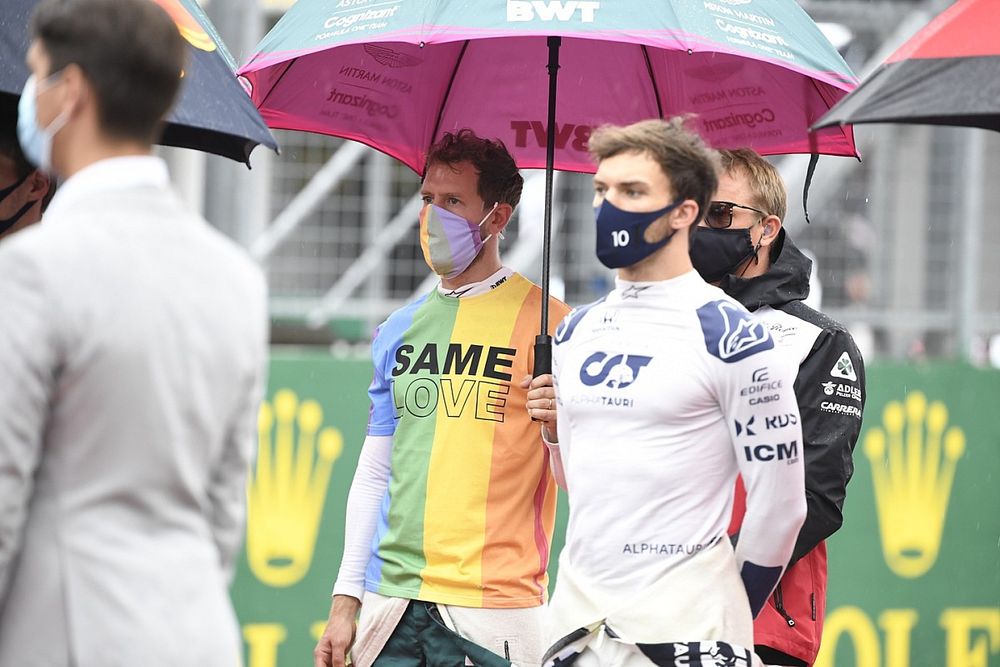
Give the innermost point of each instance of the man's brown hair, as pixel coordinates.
(688, 163)
(130, 51)
(499, 178)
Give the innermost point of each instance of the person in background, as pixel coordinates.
(451, 511)
(24, 190)
(132, 350)
(743, 248)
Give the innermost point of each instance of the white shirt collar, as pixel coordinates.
(627, 289)
(109, 175)
(481, 287)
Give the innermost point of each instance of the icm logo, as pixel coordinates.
(616, 372)
(782, 452)
(549, 10)
(731, 333)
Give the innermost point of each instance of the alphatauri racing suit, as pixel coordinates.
(665, 390)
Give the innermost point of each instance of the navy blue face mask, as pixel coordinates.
(620, 234)
(7, 223)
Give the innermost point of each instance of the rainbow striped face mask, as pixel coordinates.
(449, 241)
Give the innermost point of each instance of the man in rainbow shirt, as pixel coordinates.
(450, 514)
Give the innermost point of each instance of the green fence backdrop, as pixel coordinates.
(914, 573)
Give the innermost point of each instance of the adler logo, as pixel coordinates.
(551, 10)
(616, 372)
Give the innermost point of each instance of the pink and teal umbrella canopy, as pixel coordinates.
(397, 74)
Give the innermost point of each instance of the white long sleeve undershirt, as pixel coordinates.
(371, 481)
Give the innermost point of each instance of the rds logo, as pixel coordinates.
(619, 371)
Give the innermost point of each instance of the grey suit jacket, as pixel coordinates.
(132, 345)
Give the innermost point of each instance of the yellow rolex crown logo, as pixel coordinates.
(913, 461)
(288, 488)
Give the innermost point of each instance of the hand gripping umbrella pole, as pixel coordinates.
(543, 341)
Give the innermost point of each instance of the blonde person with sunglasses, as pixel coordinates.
(742, 247)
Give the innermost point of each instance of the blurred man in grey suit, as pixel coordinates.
(132, 343)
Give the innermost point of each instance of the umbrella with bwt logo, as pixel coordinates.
(541, 74)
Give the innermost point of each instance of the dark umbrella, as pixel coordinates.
(946, 74)
(214, 113)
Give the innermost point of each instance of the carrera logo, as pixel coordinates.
(781, 452)
(551, 10)
(840, 409)
(616, 372)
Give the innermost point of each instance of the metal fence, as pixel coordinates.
(889, 241)
(903, 242)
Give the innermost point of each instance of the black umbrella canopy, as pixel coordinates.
(213, 113)
(946, 74)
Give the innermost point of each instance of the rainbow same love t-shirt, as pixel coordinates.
(468, 515)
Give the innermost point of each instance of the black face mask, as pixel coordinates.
(717, 252)
(7, 223)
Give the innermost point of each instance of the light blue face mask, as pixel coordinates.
(36, 142)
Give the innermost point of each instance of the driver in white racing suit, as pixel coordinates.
(666, 390)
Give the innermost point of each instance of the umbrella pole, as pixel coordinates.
(543, 341)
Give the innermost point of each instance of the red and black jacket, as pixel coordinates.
(830, 407)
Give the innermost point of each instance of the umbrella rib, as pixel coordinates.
(447, 91)
(277, 81)
(652, 79)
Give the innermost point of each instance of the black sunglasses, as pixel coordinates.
(720, 213)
